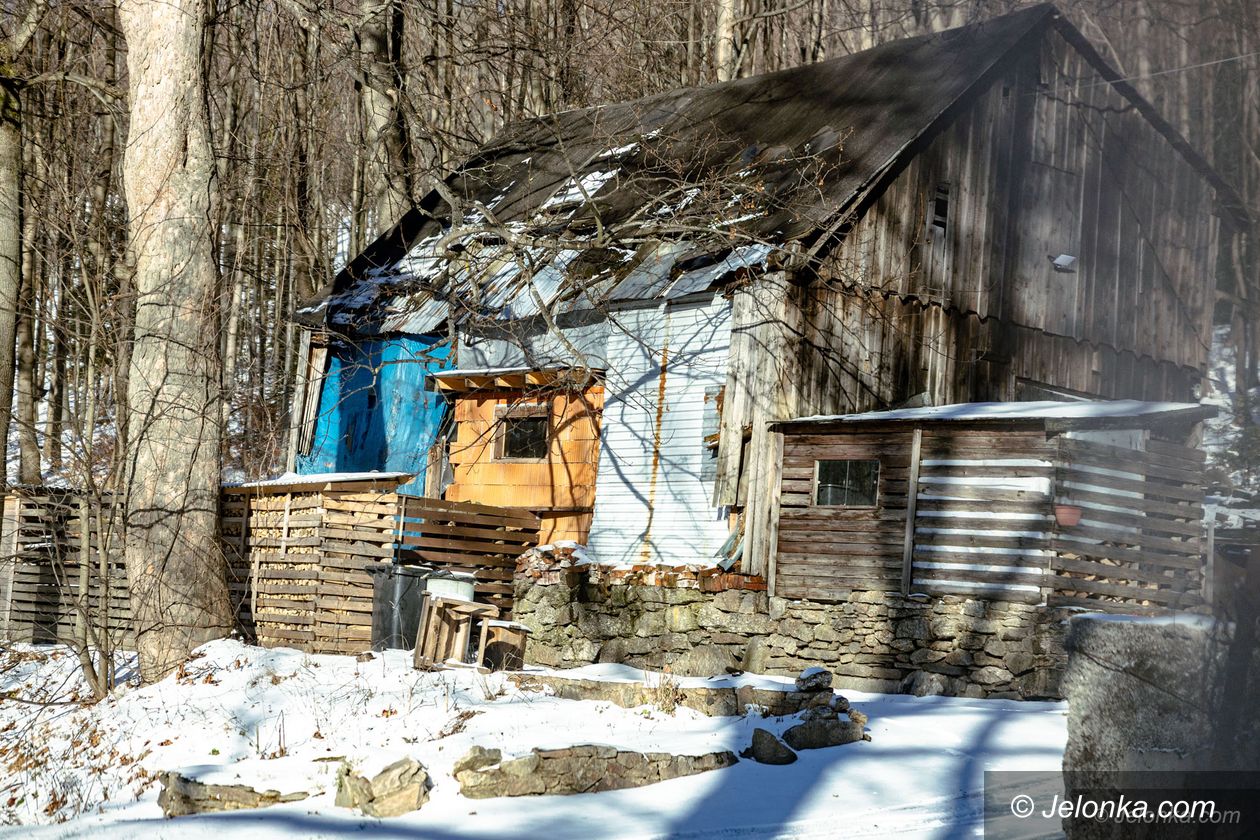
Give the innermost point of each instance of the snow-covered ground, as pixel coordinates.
(282, 719)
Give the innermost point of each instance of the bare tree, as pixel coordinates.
(11, 47)
(175, 568)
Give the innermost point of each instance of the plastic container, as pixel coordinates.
(450, 584)
(397, 592)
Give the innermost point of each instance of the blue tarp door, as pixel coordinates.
(374, 411)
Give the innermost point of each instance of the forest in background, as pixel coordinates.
(329, 118)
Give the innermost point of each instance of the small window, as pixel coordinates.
(940, 208)
(525, 437)
(846, 483)
(523, 432)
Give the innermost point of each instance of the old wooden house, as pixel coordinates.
(627, 297)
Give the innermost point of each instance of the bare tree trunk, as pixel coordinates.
(10, 256)
(26, 359)
(380, 95)
(175, 568)
(724, 41)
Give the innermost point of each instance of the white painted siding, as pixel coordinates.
(653, 495)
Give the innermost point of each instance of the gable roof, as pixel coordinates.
(664, 196)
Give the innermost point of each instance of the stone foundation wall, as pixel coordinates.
(872, 641)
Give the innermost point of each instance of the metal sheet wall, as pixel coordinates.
(653, 500)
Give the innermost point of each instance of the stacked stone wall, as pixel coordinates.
(872, 641)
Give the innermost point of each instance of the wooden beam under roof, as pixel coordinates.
(511, 379)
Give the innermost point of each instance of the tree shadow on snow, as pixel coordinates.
(749, 799)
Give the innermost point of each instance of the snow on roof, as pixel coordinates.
(1042, 410)
(499, 371)
(325, 478)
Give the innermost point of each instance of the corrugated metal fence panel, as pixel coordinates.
(653, 493)
(374, 411)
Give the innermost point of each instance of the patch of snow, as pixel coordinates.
(325, 478)
(1191, 620)
(238, 707)
(576, 191)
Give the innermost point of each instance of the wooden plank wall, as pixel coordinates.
(560, 489)
(984, 513)
(826, 552)
(985, 522)
(1139, 541)
(1051, 160)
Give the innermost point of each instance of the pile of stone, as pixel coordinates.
(551, 564)
(568, 563)
(586, 768)
(400, 788)
(827, 721)
(182, 796)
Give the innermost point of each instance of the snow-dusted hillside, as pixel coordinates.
(283, 719)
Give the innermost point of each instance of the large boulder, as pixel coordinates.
(767, 749)
(817, 733)
(400, 788)
(182, 796)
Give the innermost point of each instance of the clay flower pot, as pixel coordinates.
(1067, 515)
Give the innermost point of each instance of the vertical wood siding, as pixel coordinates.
(1051, 160)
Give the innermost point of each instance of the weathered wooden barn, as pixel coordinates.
(984, 214)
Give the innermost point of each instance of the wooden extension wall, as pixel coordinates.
(561, 488)
(825, 551)
(984, 522)
(983, 513)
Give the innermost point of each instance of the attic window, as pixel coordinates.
(940, 207)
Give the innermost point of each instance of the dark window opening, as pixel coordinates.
(524, 437)
(371, 398)
(846, 483)
(940, 208)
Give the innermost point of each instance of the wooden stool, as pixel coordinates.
(505, 650)
(445, 626)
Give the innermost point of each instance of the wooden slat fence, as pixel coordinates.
(61, 590)
(298, 561)
(1139, 541)
(985, 522)
(460, 536)
(306, 556)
